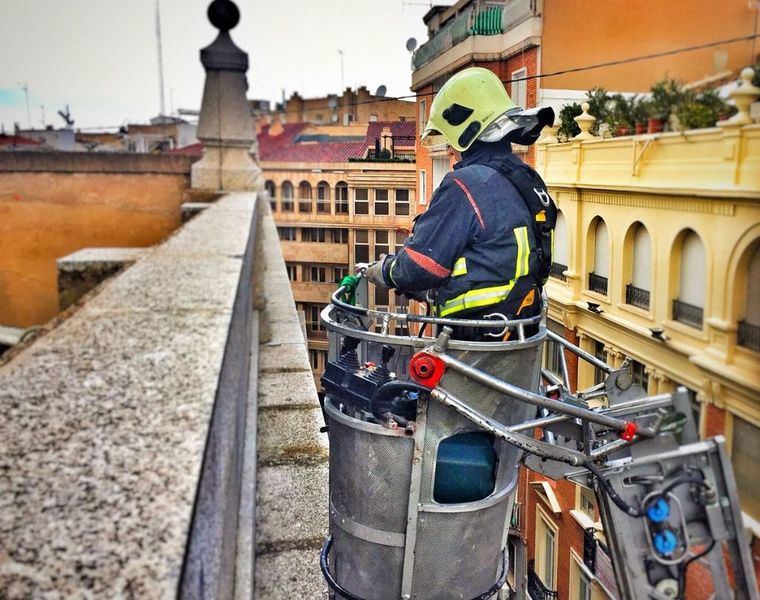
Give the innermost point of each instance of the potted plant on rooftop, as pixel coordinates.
(568, 128)
(666, 95)
(639, 117)
(619, 118)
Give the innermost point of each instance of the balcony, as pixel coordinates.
(536, 588)
(637, 297)
(688, 314)
(480, 17)
(597, 283)
(749, 335)
(557, 271)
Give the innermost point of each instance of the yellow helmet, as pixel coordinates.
(465, 106)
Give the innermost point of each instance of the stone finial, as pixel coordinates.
(743, 96)
(585, 122)
(223, 14)
(225, 125)
(550, 133)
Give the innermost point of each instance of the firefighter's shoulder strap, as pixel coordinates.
(543, 211)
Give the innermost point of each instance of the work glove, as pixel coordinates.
(374, 272)
(350, 282)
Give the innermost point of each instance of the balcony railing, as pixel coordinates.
(749, 335)
(558, 271)
(636, 296)
(597, 283)
(481, 17)
(536, 588)
(688, 313)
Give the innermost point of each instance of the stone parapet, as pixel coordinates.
(124, 431)
(95, 162)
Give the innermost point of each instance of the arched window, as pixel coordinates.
(749, 326)
(637, 292)
(688, 307)
(287, 196)
(304, 197)
(341, 198)
(323, 197)
(598, 278)
(270, 189)
(560, 257)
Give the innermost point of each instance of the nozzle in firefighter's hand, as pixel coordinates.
(374, 272)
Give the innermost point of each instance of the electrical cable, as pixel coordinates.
(618, 500)
(682, 570)
(600, 65)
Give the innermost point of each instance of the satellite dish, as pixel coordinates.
(332, 103)
(381, 91)
(411, 44)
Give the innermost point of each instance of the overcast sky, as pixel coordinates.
(99, 56)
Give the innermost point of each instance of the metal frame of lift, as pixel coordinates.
(628, 452)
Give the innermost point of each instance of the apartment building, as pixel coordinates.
(340, 196)
(653, 262)
(543, 48)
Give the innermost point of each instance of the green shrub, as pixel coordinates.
(568, 127)
(667, 94)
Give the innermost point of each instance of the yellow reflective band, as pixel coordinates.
(523, 252)
(477, 298)
(460, 267)
(390, 273)
(552, 241)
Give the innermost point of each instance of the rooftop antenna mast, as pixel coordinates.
(342, 84)
(25, 88)
(160, 59)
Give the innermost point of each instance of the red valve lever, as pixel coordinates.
(426, 369)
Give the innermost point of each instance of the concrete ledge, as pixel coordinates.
(82, 271)
(291, 518)
(123, 430)
(94, 162)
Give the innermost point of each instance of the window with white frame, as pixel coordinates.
(423, 187)
(361, 246)
(580, 582)
(423, 115)
(323, 197)
(381, 202)
(341, 198)
(361, 201)
(520, 87)
(287, 196)
(441, 166)
(401, 206)
(381, 244)
(688, 307)
(598, 277)
(560, 254)
(292, 271)
(546, 549)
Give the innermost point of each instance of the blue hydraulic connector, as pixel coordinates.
(659, 511)
(665, 542)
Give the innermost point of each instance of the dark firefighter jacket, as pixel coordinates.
(474, 243)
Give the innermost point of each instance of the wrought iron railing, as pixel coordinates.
(557, 271)
(636, 296)
(688, 313)
(597, 283)
(749, 335)
(536, 588)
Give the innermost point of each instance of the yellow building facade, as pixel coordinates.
(657, 258)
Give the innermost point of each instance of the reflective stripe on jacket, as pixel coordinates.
(474, 244)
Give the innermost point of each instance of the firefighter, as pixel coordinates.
(476, 248)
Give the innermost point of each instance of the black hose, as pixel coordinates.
(333, 584)
(682, 570)
(325, 568)
(606, 486)
(381, 402)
